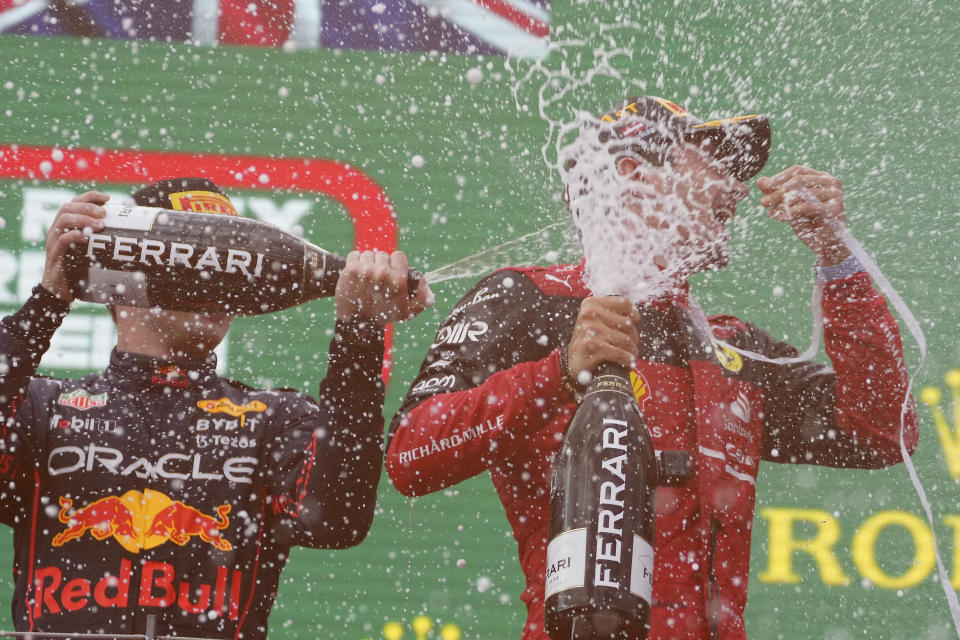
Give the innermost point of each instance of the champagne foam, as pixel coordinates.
(641, 239)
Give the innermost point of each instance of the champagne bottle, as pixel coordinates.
(186, 261)
(599, 577)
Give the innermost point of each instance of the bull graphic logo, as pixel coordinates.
(142, 521)
(949, 434)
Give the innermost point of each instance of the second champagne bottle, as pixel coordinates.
(186, 261)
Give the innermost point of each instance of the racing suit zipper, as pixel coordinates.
(713, 608)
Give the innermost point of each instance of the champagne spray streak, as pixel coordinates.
(536, 247)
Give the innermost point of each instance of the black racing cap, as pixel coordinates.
(199, 195)
(648, 126)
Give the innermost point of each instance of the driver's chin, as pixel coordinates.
(198, 328)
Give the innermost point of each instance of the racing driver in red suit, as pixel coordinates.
(159, 488)
(500, 382)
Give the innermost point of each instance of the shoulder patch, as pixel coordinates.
(560, 280)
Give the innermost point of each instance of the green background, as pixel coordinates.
(868, 91)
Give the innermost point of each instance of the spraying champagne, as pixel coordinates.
(187, 261)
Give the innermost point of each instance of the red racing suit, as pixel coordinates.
(160, 488)
(489, 397)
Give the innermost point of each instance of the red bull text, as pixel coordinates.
(158, 587)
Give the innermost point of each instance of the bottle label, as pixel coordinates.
(566, 561)
(132, 217)
(609, 383)
(641, 571)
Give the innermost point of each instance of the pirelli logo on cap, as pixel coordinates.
(202, 202)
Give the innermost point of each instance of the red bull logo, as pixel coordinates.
(142, 521)
(179, 522)
(227, 406)
(102, 518)
(170, 375)
(202, 202)
(82, 400)
(155, 586)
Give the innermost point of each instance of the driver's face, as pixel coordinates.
(706, 191)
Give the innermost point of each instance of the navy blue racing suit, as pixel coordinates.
(158, 487)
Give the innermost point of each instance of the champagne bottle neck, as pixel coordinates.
(322, 270)
(611, 369)
(609, 377)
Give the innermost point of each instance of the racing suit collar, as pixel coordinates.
(145, 371)
(678, 296)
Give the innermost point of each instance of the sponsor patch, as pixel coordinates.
(202, 202)
(173, 465)
(466, 331)
(728, 358)
(227, 406)
(483, 295)
(452, 442)
(741, 407)
(82, 400)
(432, 385)
(57, 593)
(98, 425)
(170, 375)
(142, 520)
(641, 390)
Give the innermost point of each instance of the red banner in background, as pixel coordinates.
(373, 217)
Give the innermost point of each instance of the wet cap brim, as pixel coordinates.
(742, 143)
